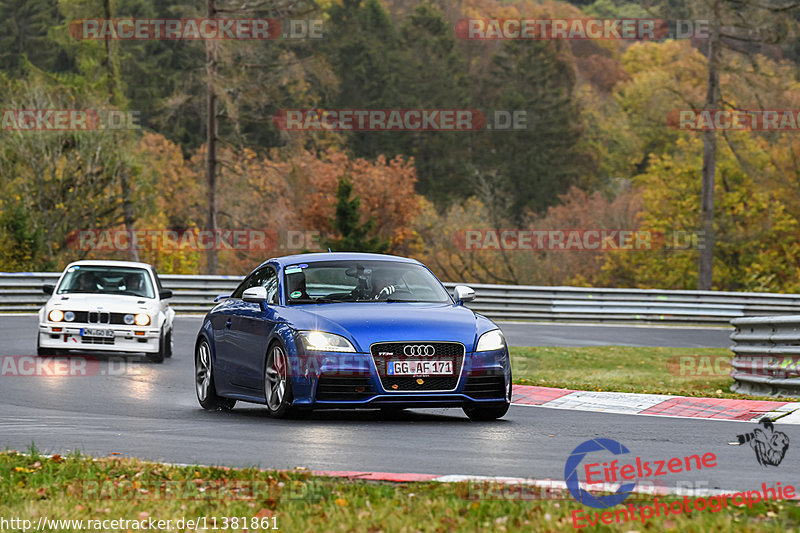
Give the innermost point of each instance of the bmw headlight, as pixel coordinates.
(491, 340)
(69, 316)
(141, 319)
(128, 319)
(56, 315)
(319, 341)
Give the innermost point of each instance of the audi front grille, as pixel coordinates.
(398, 351)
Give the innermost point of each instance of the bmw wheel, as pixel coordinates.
(158, 357)
(277, 383)
(204, 381)
(169, 345)
(44, 352)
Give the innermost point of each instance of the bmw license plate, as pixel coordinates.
(413, 367)
(88, 332)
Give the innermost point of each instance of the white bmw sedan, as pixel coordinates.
(115, 306)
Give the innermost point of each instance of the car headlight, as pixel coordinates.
(56, 315)
(69, 316)
(128, 319)
(491, 340)
(319, 341)
(141, 319)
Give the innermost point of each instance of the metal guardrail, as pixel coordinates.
(21, 292)
(766, 355)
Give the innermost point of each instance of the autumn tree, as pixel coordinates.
(352, 234)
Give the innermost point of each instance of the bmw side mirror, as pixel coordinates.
(48, 288)
(463, 294)
(165, 293)
(255, 295)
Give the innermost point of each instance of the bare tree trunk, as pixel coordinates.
(211, 141)
(128, 214)
(706, 256)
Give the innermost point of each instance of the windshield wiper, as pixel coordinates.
(311, 300)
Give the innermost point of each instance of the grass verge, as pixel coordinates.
(78, 487)
(678, 371)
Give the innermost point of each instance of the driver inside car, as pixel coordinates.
(133, 283)
(383, 285)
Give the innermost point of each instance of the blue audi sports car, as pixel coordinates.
(350, 330)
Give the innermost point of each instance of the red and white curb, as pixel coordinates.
(628, 403)
(548, 488)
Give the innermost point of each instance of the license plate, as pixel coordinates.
(412, 367)
(88, 332)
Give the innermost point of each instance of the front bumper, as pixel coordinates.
(128, 339)
(351, 380)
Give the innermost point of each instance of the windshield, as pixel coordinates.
(107, 280)
(362, 281)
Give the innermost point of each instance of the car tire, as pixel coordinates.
(204, 381)
(44, 352)
(485, 413)
(277, 382)
(169, 345)
(158, 357)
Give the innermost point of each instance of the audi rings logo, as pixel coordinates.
(571, 474)
(419, 349)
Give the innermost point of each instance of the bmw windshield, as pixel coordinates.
(362, 281)
(95, 279)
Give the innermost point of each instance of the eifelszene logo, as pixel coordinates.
(770, 445)
(637, 470)
(571, 474)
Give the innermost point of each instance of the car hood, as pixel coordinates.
(367, 323)
(114, 303)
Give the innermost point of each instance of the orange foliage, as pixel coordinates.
(285, 194)
(386, 189)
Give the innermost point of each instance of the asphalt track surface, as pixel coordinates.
(147, 410)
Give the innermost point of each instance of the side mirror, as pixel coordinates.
(255, 295)
(165, 293)
(463, 294)
(48, 288)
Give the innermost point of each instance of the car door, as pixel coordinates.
(252, 325)
(221, 319)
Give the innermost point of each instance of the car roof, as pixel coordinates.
(339, 256)
(97, 262)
